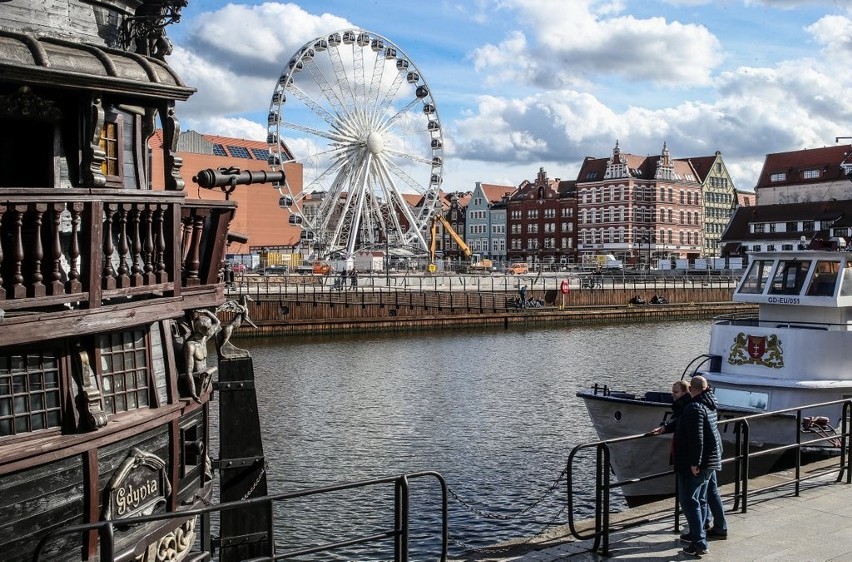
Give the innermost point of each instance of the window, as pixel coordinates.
(778, 176)
(756, 277)
(124, 371)
(792, 227)
(789, 277)
(759, 228)
(219, 150)
(808, 226)
(810, 174)
(29, 392)
(110, 143)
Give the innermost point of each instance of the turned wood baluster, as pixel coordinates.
(137, 267)
(18, 291)
(159, 220)
(123, 247)
(37, 288)
(193, 261)
(2, 290)
(148, 228)
(56, 287)
(74, 284)
(109, 248)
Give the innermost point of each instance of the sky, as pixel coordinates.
(528, 84)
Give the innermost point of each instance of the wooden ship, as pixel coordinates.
(110, 348)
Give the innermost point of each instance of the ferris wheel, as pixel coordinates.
(359, 117)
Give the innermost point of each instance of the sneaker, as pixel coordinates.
(685, 537)
(718, 535)
(693, 550)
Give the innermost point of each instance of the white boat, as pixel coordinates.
(793, 352)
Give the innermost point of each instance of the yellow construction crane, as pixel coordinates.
(475, 264)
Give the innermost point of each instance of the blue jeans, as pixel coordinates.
(691, 489)
(712, 505)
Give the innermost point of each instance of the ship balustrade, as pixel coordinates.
(400, 533)
(80, 248)
(740, 457)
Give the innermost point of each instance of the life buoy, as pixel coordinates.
(564, 287)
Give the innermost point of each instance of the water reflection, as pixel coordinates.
(494, 412)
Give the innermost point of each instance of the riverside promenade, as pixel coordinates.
(815, 526)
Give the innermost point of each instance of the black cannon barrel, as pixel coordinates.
(223, 177)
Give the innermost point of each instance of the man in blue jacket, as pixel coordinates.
(697, 452)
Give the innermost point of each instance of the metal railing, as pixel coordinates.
(741, 458)
(400, 533)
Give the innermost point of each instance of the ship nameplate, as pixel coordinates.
(138, 487)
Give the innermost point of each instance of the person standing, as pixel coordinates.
(697, 453)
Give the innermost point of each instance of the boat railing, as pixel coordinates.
(81, 248)
(741, 459)
(400, 534)
(754, 321)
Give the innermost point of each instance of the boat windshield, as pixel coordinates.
(824, 279)
(755, 279)
(790, 276)
(741, 398)
(846, 283)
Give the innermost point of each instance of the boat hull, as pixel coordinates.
(615, 416)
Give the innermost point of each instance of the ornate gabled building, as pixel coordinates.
(540, 222)
(719, 197)
(639, 207)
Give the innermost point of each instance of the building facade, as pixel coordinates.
(485, 230)
(639, 208)
(802, 176)
(719, 197)
(540, 222)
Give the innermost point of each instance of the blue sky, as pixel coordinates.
(524, 84)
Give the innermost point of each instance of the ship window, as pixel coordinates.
(755, 280)
(110, 143)
(789, 277)
(124, 371)
(824, 279)
(29, 392)
(741, 398)
(846, 284)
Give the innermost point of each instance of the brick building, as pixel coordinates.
(639, 208)
(259, 215)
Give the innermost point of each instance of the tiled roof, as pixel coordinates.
(793, 164)
(640, 167)
(738, 228)
(495, 193)
(702, 165)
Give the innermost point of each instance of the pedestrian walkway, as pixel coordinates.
(816, 526)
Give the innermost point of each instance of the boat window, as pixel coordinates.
(756, 278)
(789, 277)
(824, 279)
(124, 371)
(741, 398)
(846, 282)
(29, 392)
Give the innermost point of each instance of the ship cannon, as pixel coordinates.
(229, 178)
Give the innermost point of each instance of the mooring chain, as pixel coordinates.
(513, 515)
(257, 481)
(527, 540)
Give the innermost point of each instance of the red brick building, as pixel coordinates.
(639, 207)
(540, 222)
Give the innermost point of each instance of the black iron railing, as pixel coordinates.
(399, 534)
(741, 458)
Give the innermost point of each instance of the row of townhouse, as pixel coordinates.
(637, 208)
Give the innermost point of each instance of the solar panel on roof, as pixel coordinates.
(219, 150)
(239, 152)
(260, 153)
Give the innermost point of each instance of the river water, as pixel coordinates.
(493, 411)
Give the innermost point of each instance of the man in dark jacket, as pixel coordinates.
(697, 452)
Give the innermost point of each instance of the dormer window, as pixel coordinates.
(810, 174)
(778, 176)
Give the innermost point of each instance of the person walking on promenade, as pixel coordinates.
(697, 453)
(353, 278)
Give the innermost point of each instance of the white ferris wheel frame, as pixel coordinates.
(357, 201)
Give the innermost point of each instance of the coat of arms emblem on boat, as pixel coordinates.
(759, 350)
